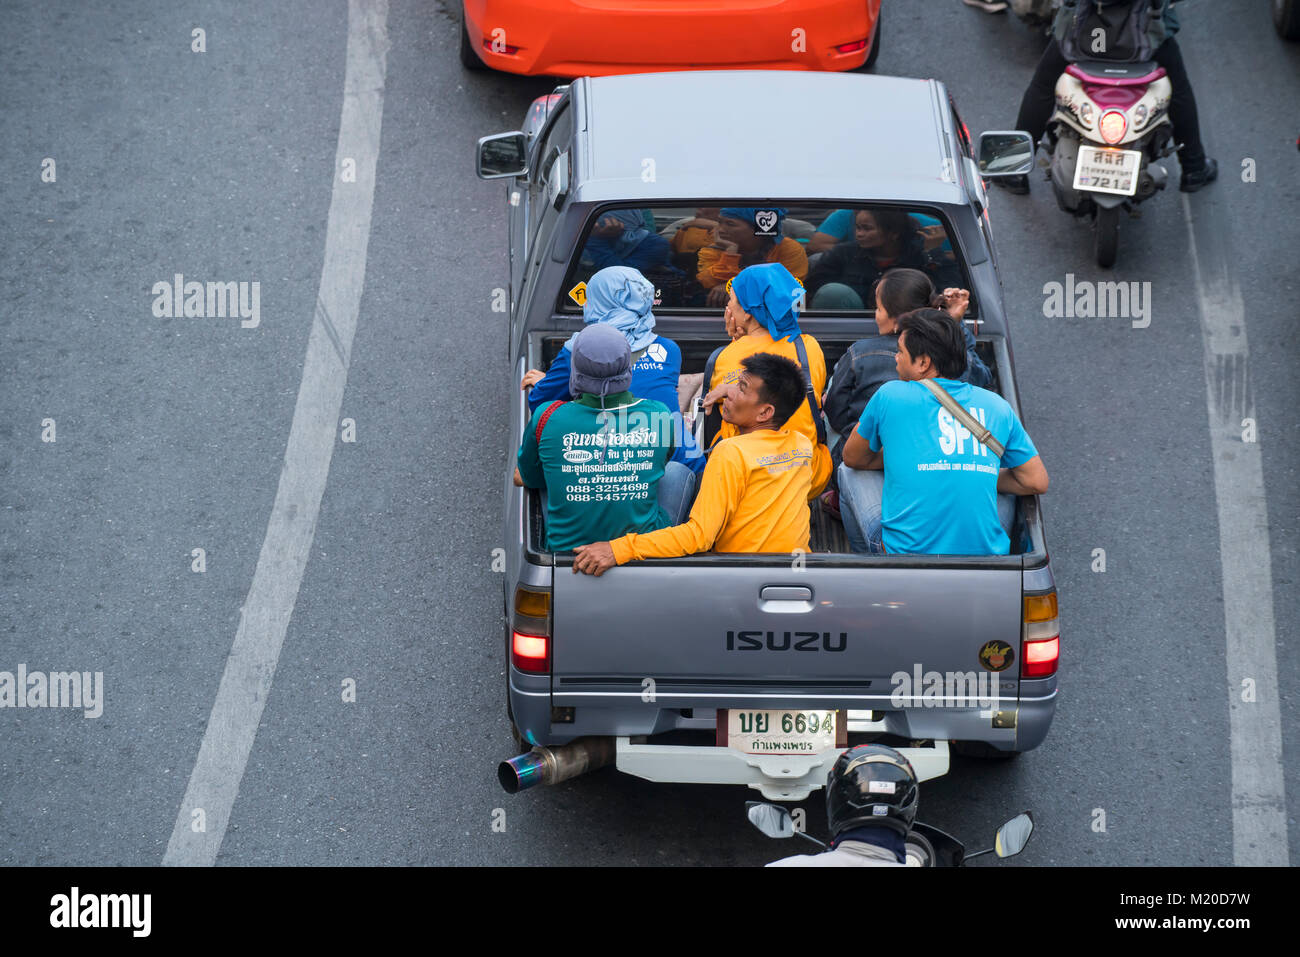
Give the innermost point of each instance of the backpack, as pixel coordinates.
(1113, 30)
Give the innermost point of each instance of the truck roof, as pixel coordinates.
(763, 133)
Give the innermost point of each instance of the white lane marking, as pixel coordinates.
(1259, 832)
(246, 681)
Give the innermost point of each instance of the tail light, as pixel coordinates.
(530, 652)
(1112, 126)
(1041, 636)
(505, 48)
(853, 47)
(530, 631)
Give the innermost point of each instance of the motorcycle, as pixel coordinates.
(1110, 128)
(925, 846)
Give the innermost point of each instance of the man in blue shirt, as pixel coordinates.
(914, 479)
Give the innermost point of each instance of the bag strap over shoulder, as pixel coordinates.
(707, 426)
(541, 422)
(972, 424)
(809, 391)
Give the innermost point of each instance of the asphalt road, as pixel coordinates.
(171, 433)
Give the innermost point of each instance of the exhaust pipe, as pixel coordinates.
(553, 765)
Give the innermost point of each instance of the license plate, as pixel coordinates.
(781, 732)
(1107, 170)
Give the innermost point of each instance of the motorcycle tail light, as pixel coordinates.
(1139, 116)
(1112, 126)
(1085, 113)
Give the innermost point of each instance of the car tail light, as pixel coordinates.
(530, 631)
(505, 48)
(1112, 126)
(1041, 636)
(853, 47)
(530, 652)
(533, 604)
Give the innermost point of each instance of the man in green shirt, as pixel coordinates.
(601, 461)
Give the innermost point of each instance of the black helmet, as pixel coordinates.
(871, 784)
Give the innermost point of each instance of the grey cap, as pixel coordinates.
(602, 362)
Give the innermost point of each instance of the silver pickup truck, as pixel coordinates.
(758, 669)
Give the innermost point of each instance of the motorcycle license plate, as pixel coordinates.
(1107, 170)
(781, 732)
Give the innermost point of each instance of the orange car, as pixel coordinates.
(602, 37)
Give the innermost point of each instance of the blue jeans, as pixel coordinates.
(861, 492)
(677, 492)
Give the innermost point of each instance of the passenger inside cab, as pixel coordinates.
(746, 236)
(622, 237)
(883, 239)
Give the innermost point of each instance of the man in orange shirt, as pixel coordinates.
(754, 492)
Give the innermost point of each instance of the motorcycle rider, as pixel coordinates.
(871, 799)
(1037, 104)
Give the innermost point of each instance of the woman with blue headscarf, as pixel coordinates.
(622, 298)
(746, 236)
(762, 316)
(621, 238)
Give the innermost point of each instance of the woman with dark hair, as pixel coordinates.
(883, 239)
(869, 363)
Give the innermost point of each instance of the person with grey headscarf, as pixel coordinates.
(602, 460)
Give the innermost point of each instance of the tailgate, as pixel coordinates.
(726, 635)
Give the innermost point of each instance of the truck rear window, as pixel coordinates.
(838, 253)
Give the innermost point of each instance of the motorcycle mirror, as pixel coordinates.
(1005, 153)
(1014, 835)
(771, 820)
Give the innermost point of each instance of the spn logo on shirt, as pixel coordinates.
(953, 435)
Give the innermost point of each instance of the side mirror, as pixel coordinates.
(1014, 835)
(502, 154)
(1005, 153)
(771, 820)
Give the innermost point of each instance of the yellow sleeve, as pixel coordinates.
(790, 254)
(721, 486)
(716, 267)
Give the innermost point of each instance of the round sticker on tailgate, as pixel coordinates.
(997, 655)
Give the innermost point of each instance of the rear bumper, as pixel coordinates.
(595, 38)
(776, 777)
